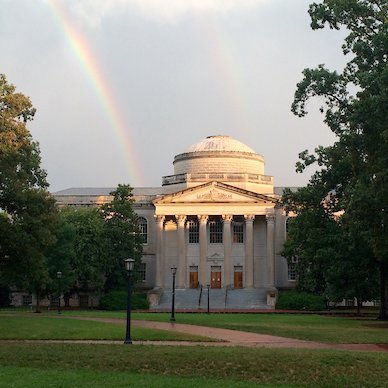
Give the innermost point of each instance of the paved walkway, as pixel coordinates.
(230, 337)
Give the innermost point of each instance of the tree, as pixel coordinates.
(28, 211)
(83, 248)
(123, 235)
(354, 170)
(330, 261)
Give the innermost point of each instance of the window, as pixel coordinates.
(193, 232)
(27, 300)
(238, 232)
(142, 272)
(292, 269)
(349, 302)
(143, 229)
(215, 230)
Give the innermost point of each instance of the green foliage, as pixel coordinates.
(296, 300)
(117, 300)
(354, 171)
(4, 295)
(121, 230)
(28, 212)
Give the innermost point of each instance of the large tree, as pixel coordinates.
(123, 235)
(28, 211)
(354, 170)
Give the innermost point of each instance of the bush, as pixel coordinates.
(117, 300)
(294, 300)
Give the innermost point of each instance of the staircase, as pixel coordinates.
(220, 299)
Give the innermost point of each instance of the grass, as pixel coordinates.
(66, 365)
(321, 328)
(327, 329)
(32, 327)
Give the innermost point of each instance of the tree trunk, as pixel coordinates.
(37, 307)
(359, 305)
(383, 291)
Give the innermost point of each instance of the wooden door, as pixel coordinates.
(215, 279)
(194, 279)
(238, 279)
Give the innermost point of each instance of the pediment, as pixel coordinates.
(215, 192)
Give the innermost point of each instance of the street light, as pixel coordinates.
(129, 263)
(173, 271)
(59, 277)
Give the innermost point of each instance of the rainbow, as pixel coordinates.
(99, 82)
(231, 72)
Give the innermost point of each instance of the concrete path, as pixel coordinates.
(232, 337)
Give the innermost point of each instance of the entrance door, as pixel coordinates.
(193, 280)
(238, 276)
(215, 278)
(238, 279)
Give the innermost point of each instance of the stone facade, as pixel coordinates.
(217, 219)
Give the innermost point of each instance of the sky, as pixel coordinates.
(122, 86)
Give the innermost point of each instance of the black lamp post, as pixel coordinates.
(129, 263)
(173, 271)
(59, 277)
(208, 298)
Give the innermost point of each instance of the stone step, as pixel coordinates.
(188, 299)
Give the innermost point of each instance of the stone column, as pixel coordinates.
(249, 250)
(270, 250)
(227, 239)
(181, 265)
(159, 265)
(202, 249)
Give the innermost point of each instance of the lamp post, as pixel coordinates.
(129, 263)
(208, 298)
(59, 277)
(173, 271)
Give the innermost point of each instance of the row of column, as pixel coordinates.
(227, 241)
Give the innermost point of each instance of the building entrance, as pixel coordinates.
(238, 276)
(193, 277)
(215, 277)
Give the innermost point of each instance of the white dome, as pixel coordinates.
(220, 143)
(219, 155)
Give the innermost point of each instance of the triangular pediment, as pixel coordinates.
(215, 192)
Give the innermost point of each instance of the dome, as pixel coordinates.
(220, 143)
(219, 155)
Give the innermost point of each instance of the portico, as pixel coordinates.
(209, 233)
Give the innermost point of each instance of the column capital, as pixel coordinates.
(181, 219)
(270, 218)
(159, 218)
(227, 217)
(249, 217)
(203, 218)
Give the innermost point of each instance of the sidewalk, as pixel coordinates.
(232, 337)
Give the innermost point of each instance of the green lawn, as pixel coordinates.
(36, 327)
(321, 328)
(69, 365)
(328, 329)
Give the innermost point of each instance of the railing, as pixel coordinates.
(226, 294)
(200, 296)
(221, 177)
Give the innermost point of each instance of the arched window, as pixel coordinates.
(193, 231)
(215, 231)
(143, 229)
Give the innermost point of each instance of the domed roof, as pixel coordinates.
(220, 143)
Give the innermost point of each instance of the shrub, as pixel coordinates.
(117, 300)
(294, 300)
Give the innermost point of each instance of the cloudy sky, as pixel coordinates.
(121, 86)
